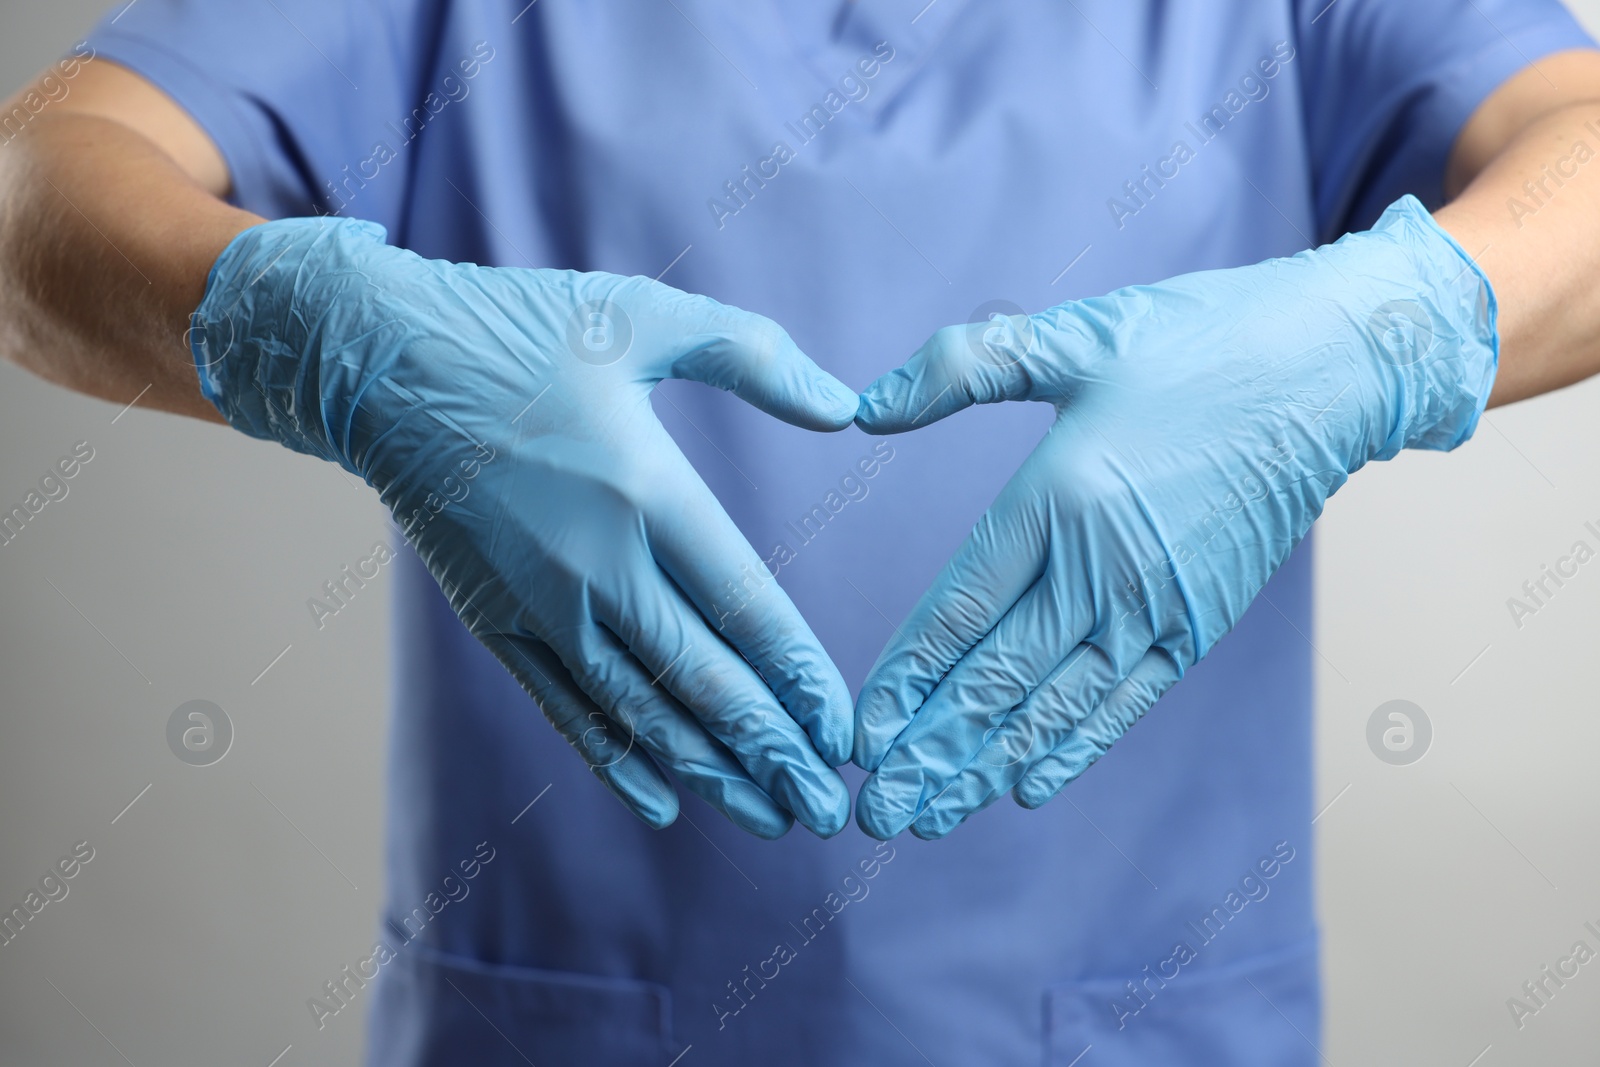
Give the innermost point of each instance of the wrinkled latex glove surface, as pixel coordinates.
(504, 417)
(1201, 425)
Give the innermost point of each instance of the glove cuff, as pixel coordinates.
(256, 337)
(1437, 336)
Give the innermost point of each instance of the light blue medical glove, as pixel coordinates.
(1201, 425)
(504, 417)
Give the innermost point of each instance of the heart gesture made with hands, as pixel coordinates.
(504, 417)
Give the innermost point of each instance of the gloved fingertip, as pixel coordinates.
(880, 415)
(837, 404)
(749, 808)
(868, 751)
(635, 782)
(868, 824)
(829, 718)
(656, 812)
(835, 821)
(823, 403)
(752, 811)
(872, 739)
(769, 829)
(876, 816)
(831, 811)
(1032, 796)
(836, 745)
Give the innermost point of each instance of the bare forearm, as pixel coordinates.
(105, 245)
(1531, 218)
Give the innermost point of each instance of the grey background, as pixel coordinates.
(183, 555)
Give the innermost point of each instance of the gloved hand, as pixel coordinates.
(1201, 425)
(504, 417)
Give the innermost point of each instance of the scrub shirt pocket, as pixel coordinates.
(433, 1008)
(1262, 1010)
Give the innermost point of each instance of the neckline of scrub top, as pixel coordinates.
(829, 46)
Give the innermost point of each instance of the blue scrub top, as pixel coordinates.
(863, 173)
